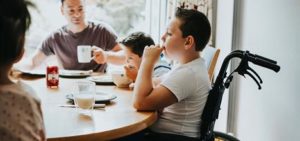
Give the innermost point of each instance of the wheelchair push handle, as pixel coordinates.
(243, 68)
(266, 64)
(255, 56)
(264, 58)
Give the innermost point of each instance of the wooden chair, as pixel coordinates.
(211, 56)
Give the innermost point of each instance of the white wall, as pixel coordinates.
(270, 28)
(223, 42)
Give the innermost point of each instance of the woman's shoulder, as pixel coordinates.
(19, 90)
(26, 116)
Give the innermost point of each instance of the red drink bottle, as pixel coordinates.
(52, 77)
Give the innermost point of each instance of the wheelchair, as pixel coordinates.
(212, 106)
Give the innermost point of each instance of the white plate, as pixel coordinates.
(75, 73)
(99, 97)
(34, 72)
(63, 73)
(102, 79)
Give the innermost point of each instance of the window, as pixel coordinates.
(124, 16)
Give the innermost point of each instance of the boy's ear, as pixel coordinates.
(189, 42)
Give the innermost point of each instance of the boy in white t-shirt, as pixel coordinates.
(182, 94)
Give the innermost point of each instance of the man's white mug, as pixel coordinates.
(84, 53)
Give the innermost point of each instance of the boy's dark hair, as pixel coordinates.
(137, 41)
(196, 24)
(62, 1)
(14, 21)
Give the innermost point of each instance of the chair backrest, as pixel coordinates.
(210, 56)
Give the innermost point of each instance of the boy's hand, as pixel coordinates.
(131, 72)
(152, 53)
(99, 55)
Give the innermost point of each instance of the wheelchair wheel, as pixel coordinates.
(219, 136)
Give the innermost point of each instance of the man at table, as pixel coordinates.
(63, 42)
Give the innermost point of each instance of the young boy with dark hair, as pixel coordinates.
(21, 116)
(182, 94)
(133, 46)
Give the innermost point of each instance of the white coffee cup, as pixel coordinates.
(84, 53)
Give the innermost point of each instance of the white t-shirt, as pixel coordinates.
(190, 84)
(20, 113)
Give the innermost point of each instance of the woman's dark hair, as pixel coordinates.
(14, 21)
(137, 41)
(196, 24)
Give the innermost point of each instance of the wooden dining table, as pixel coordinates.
(117, 119)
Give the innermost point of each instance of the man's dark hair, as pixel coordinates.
(62, 1)
(137, 41)
(196, 24)
(14, 21)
